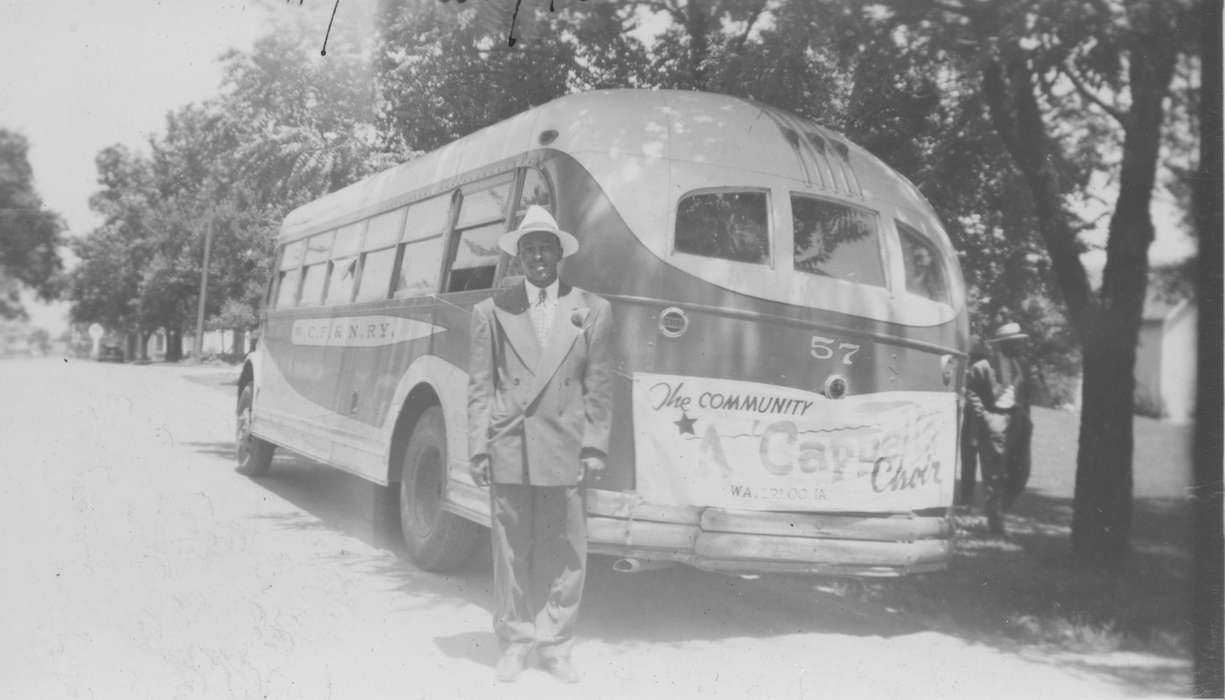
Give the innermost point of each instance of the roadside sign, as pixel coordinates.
(96, 331)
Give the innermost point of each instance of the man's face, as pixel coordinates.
(540, 252)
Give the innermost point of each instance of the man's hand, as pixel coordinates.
(1008, 399)
(479, 469)
(590, 465)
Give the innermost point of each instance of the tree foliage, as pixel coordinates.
(287, 127)
(30, 234)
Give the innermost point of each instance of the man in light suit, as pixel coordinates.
(539, 413)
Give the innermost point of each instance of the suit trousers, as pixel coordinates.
(539, 543)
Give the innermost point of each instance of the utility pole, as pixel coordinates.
(198, 346)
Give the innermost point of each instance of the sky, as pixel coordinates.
(79, 75)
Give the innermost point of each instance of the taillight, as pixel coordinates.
(673, 322)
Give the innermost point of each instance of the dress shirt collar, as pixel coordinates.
(533, 293)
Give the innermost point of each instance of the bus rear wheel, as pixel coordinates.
(437, 540)
(254, 455)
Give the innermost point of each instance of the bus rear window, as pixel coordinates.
(925, 275)
(728, 225)
(835, 240)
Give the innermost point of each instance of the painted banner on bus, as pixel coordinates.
(750, 446)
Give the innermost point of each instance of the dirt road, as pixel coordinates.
(137, 564)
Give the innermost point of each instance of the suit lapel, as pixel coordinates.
(510, 308)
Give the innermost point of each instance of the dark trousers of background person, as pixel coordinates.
(1004, 454)
(969, 459)
(539, 542)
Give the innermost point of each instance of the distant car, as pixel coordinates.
(110, 353)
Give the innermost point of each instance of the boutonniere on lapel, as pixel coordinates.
(579, 316)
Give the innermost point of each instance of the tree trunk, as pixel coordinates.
(238, 342)
(1102, 506)
(1108, 327)
(1017, 119)
(1208, 606)
(697, 23)
(144, 345)
(174, 345)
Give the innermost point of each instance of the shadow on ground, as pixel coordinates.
(1026, 593)
(1020, 595)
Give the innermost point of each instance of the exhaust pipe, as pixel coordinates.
(630, 565)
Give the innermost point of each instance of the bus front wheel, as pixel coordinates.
(254, 455)
(437, 540)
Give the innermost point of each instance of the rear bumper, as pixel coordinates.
(620, 524)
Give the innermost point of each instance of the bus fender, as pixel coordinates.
(428, 381)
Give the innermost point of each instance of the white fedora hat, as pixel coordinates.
(537, 218)
(1008, 331)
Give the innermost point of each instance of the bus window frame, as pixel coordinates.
(882, 247)
(274, 284)
(946, 254)
(394, 246)
(451, 248)
(326, 262)
(357, 258)
(402, 244)
(771, 224)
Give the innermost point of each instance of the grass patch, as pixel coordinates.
(1028, 591)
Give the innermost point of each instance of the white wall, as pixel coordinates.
(1178, 366)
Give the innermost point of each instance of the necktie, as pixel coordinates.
(541, 318)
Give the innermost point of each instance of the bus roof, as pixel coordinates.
(719, 131)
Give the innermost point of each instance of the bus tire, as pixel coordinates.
(436, 539)
(254, 455)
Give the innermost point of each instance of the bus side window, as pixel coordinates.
(420, 253)
(728, 225)
(476, 258)
(287, 274)
(344, 264)
(379, 256)
(481, 220)
(925, 275)
(535, 191)
(314, 273)
(419, 268)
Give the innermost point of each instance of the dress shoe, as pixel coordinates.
(510, 665)
(561, 669)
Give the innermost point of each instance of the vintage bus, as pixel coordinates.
(790, 334)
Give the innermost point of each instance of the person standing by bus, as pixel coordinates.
(539, 416)
(998, 396)
(971, 418)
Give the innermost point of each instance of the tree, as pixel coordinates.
(30, 234)
(1209, 640)
(286, 128)
(442, 74)
(1059, 81)
(104, 287)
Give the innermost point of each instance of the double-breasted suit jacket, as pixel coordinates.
(533, 409)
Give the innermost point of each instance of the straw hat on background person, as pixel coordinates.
(1008, 331)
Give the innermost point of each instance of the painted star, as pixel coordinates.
(685, 424)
